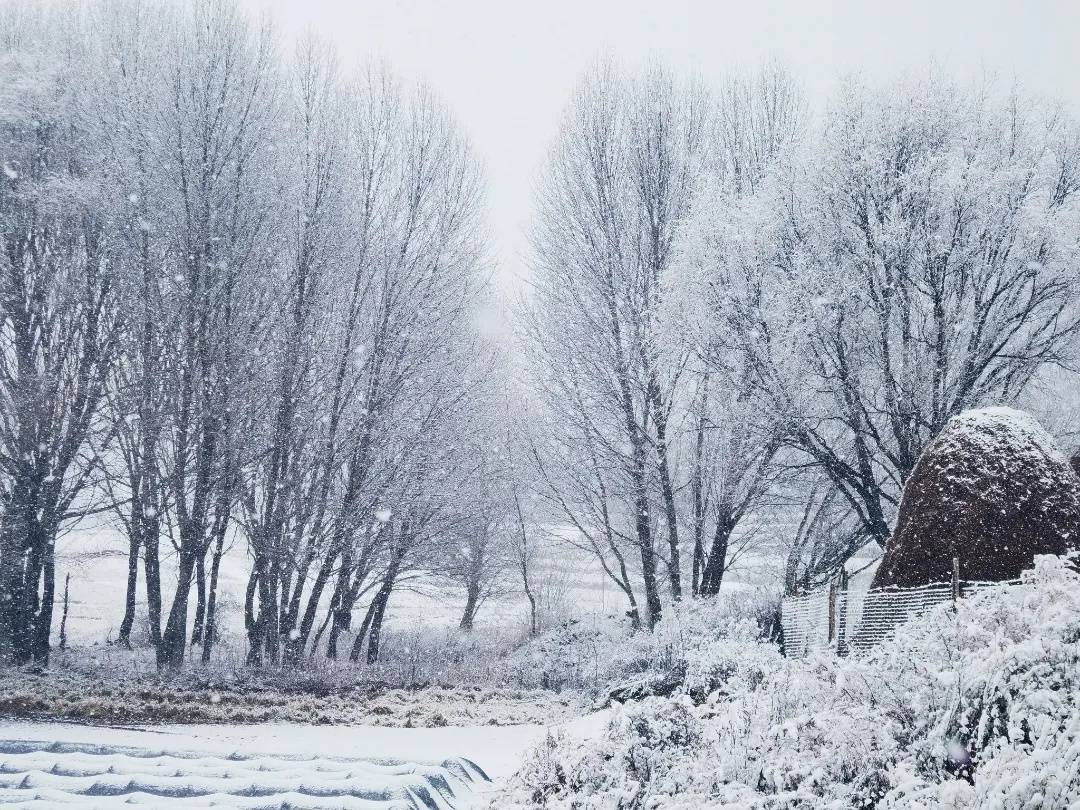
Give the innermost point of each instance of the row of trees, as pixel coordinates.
(238, 304)
(747, 324)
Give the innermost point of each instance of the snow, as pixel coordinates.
(94, 554)
(1000, 426)
(972, 706)
(265, 765)
(255, 766)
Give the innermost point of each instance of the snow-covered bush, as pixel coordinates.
(972, 707)
(689, 646)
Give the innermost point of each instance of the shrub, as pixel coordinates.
(974, 706)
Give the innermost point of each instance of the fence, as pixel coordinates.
(847, 619)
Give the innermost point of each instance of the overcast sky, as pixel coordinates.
(507, 68)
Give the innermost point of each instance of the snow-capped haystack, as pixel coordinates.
(993, 490)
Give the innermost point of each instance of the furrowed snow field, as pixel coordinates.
(107, 776)
(263, 766)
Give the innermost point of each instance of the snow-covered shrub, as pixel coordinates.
(1006, 714)
(417, 654)
(574, 654)
(972, 707)
(688, 648)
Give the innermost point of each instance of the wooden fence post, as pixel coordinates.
(842, 628)
(832, 609)
(64, 615)
(955, 579)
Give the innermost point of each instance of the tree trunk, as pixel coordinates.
(340, 619)
(524, 566)
(699, 561)
(200, 599)
(21, 570)
(667, 491)
(322, 628)
(294, 647)
(126, 623)
(340, 608)
(376, 612)
(645, 544)
(64, 615)
(472, 601)
(174, 639)
(672, 521)
(43, 620)
(10, 583)
(697, 488)
(269, 612)
(375, 634)
(252, 624)
(42, 616)
(713, 575)
(152, 569)
(358, 641)
(534, 619)
(210, 632)
(249, 600)
(648, 576)
(18, 612)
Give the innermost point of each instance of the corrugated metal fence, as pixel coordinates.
(856, 619)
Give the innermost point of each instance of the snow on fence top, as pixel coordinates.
(843, 619)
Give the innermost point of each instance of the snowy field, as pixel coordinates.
(96, 559)
(262, 766)
(572, 584)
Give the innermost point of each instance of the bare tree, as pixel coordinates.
(242, 301)
(617, 187)
(397, 332)
(579, 491)
(124, 97)
(432, 504)
(214, 116)
(918, 262)
(733, 443)
(524, 542)
(827, 535)
(734, 477)
(478, 553)
(315, 247)
(58, 322)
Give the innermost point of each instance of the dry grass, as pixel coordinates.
(76, 696)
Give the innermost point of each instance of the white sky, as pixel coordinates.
(507, 68)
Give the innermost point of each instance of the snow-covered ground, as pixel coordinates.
(96, 559)
(264, 766)
(972, 705)
(349, 764)
(571, 583)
